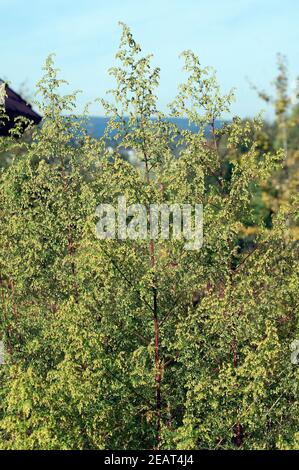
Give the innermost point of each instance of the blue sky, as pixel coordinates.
(239, 38)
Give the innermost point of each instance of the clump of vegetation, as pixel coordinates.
(140, 344)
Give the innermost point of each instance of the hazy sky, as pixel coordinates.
(240, 38)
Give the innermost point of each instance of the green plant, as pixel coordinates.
(133, 344)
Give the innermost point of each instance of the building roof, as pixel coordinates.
(16, 106)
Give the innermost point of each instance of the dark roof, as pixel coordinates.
(15, 106)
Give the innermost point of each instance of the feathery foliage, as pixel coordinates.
(140, 344)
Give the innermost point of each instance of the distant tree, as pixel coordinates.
(283, 185)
